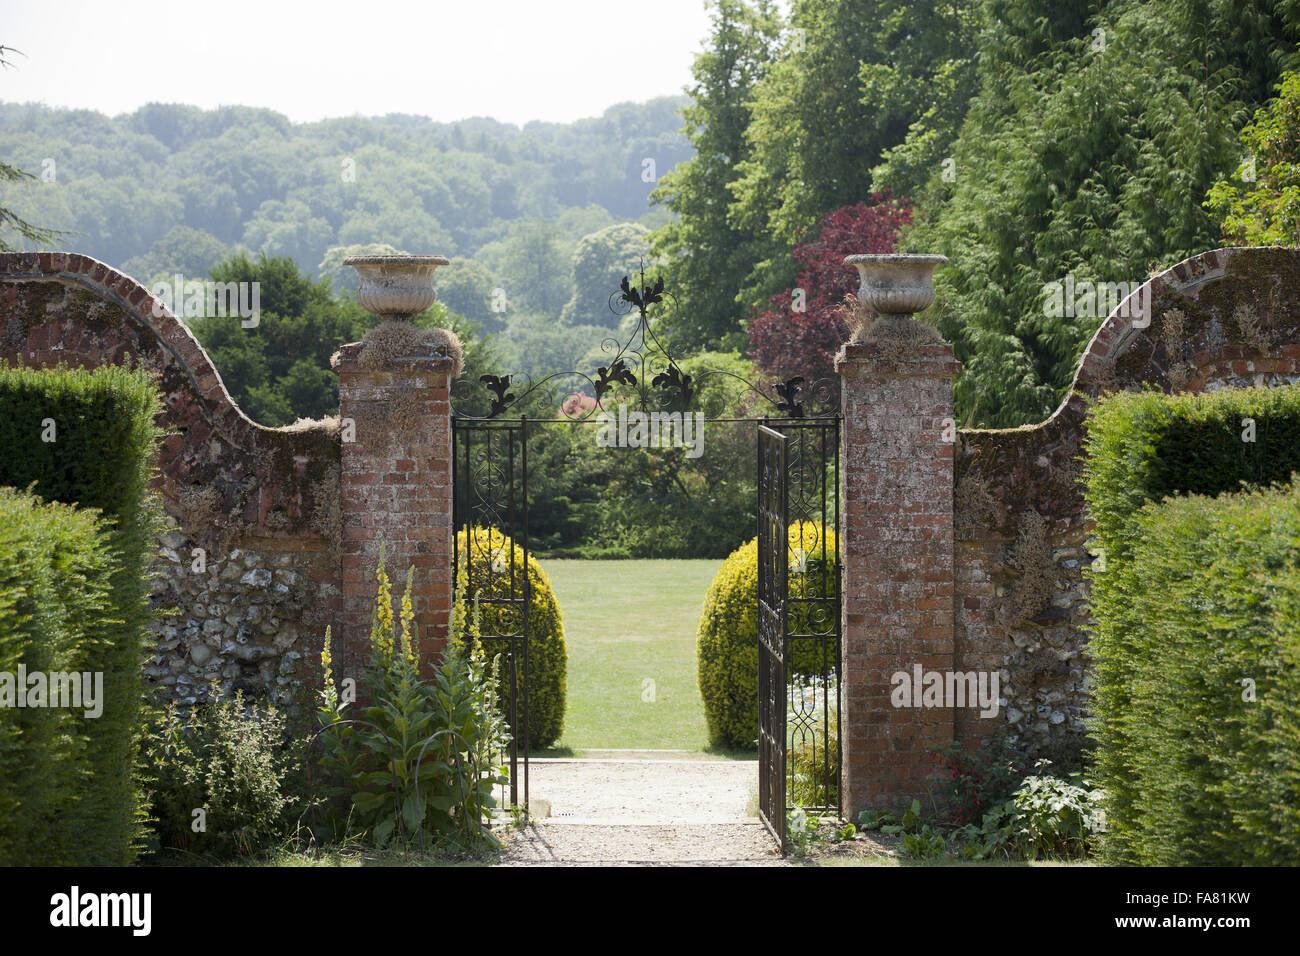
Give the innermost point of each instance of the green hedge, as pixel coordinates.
(54, 617)
(727, 642)
(1206, 777)
(548, 657)
(1145, 446)
(103, 455)
(1197, 594)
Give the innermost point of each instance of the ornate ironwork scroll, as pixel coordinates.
(644, 367)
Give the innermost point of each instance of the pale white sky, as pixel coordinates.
(514, 60)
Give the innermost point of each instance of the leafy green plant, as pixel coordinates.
(1055, 817)
(994, 836)
(420, 758)
(874, 819)
(926, 844)
(1048, 816)
(218, 776)
(886, 821)
(800, 829)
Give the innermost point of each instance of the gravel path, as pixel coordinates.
(643, 791)
(651, 810)
(597, 844)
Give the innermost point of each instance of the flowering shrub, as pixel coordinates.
(727, 642)
(1047, 816)
(1056, 817)
(495, 571)
(980, 779)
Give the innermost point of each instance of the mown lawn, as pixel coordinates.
(630, 628)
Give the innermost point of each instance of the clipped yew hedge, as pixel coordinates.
(102, 455)
(1146, 446)
(727, 641)
(1196, 613)
(55, 614)
(490, 576)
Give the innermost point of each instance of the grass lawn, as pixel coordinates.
(628, 623)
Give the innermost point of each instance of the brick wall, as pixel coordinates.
(267, 506)
(396, 492)
(898, 565)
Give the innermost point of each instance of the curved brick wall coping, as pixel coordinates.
(1118, 331)
(1033, 464)
(140, 304)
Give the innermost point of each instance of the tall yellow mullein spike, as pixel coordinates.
(381, 635)
(408, 617)
(458, 605)
(326, 660)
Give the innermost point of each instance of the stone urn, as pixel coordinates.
(893, 288)
(396, 287)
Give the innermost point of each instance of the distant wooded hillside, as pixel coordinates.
(176, 188)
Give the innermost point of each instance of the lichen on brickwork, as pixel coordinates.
(973, 507)
(1253, 329)
(199, 509)
(326, 510)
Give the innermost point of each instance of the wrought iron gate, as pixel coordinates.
(772, 642)
(798, 512)
(799, 741)
(490, 550)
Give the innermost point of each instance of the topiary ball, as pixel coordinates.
(489, 553)
(727, 644)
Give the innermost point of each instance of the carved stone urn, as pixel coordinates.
(396, 287)
(893, 288)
